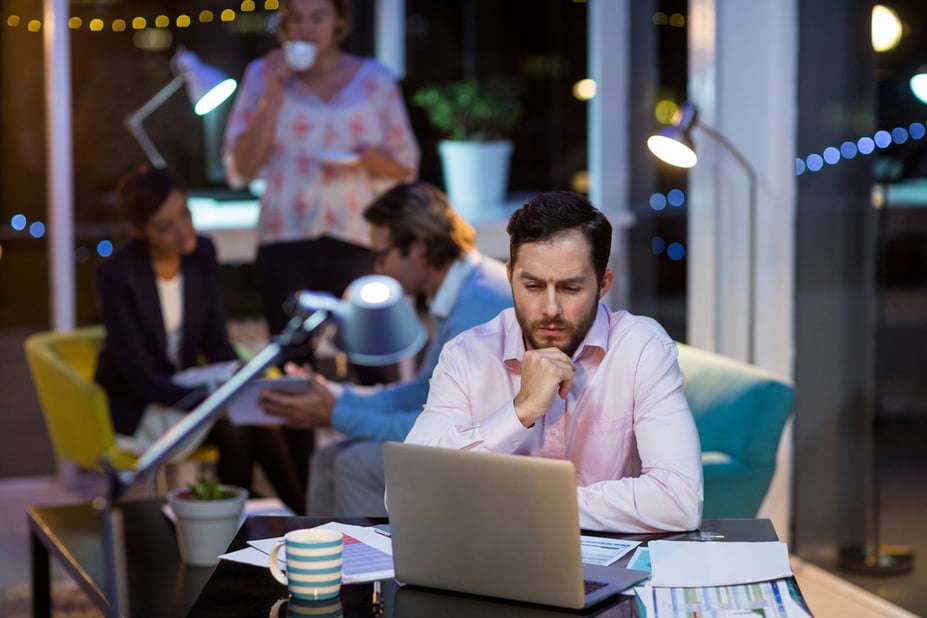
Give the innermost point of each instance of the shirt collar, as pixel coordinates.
(449, 290)
(596, 340)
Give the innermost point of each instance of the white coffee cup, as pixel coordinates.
(299, 55)
(313, 563)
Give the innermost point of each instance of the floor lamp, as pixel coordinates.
(674, 146)
(873, 557)
(374, 325)
(207, 88)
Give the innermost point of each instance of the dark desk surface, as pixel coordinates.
(236, 589)
(161, 585)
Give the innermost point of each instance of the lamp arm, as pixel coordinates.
(134, 121)
(751, 235)
(297, 332)
(732, 150)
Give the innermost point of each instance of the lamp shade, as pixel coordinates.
(918, 84)
(375, 323)
(673, 145)
(207, 86)
(378, 326)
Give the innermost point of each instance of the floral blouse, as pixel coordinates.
(305, 197)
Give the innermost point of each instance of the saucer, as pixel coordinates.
(336, 157)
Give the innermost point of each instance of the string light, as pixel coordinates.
(865, 145)
(182, 20)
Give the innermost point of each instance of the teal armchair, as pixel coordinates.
(740, 411)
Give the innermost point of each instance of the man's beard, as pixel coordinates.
(577, 332)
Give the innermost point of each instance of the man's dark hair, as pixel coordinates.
(420, 211)
(555, 213)
(141, 192)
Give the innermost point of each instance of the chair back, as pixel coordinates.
(75, 408)
(740, 411)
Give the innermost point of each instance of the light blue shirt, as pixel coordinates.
(475, 289)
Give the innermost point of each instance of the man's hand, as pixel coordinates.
(544, 373)
(306, 410)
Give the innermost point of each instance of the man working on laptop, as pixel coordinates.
(418, 239)
(560, 376)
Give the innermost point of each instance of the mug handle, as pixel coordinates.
(275, 608)
(275, 566)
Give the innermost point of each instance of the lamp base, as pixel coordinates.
(876, 559)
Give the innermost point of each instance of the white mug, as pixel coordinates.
(299, 55)
(313, 563)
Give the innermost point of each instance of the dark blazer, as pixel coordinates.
(133, 367)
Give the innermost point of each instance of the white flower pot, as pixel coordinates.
(206, 527)
(475, 173)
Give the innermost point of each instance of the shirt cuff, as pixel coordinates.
(335, 388)
(502, 431)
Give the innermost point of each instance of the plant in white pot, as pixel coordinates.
(477, 119)
(208, 514)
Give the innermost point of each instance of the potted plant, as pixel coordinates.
(477, 119)
(208, 515)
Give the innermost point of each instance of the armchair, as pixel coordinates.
(740, 411)
(76, 408)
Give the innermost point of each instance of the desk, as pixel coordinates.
(161, 585)
(236, 589)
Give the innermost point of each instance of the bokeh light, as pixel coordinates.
(676, 251)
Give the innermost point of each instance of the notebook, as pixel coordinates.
(504, 526)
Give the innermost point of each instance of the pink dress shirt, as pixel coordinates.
(304, 198)
(625, 424)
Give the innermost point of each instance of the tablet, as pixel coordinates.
(242, 408)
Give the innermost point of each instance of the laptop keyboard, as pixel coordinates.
(591, 586)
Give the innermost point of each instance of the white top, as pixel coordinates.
(170, 294)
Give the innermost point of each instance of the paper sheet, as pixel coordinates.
(368, 555)
(212, 375)
(242, 408)
(603, 551)
(701, 563)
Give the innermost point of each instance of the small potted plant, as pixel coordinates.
(208, 515)
(477, 119)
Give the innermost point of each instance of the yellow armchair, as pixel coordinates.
(75, 407)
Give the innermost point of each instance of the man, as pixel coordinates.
(418, 239)
(560, 376)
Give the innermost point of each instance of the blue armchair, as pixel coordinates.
(740, 411)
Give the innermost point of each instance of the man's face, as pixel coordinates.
(555, 291)
(408, 270)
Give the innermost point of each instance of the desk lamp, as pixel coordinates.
(374, 325)
(673, 145)
(207, 87)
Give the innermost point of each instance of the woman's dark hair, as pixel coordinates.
(141, 192)
(342, 9)
(555, 213)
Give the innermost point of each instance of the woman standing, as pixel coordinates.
(326, 140)
(160, 295)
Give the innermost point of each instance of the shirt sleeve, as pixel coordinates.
(383, 414)
(246, 101)
(448, 421)
(668, 494)
(400, 144)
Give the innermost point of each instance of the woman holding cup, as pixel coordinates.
(328, 131)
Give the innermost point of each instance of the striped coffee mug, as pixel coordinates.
(313, 563)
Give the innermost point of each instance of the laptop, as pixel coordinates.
(503, 526)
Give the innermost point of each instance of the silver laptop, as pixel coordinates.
(498, 525)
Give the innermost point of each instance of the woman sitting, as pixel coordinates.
(160, 295)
